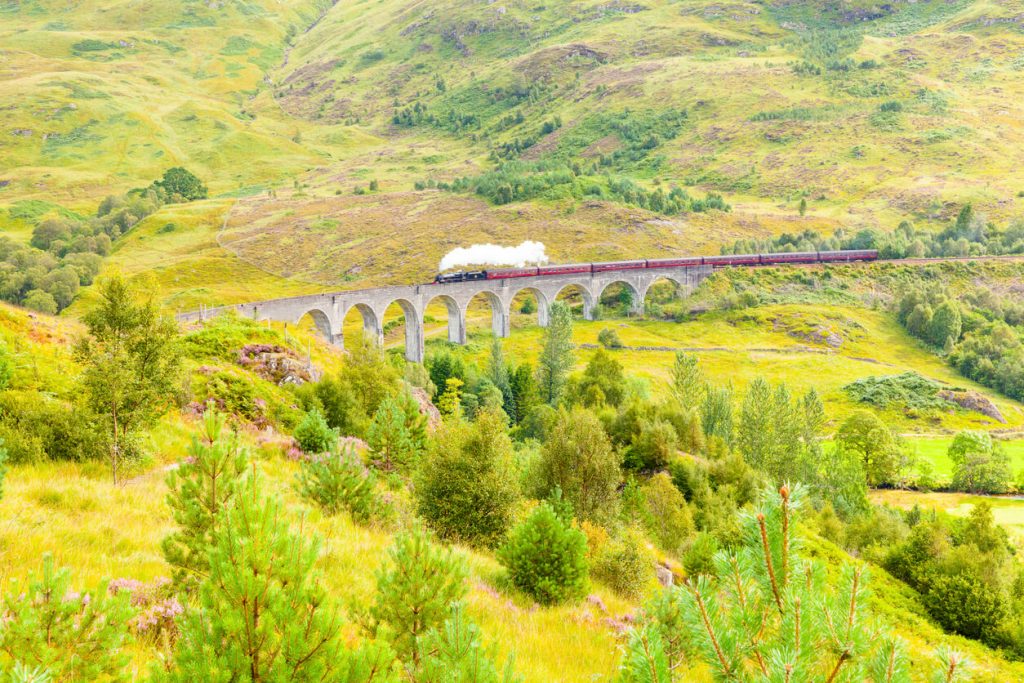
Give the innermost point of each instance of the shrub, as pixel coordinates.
(908, 389)
(609, 339)
(653, 447)
(35, 427)
(578, 460)
(74, 635)
(417, 587)
(467, 486)
(314, 435)
(335, 398)
(336, 481)
(966, 605)
(546, 558)
(624, 564)
(668, 515)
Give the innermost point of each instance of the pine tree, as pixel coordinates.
(337, 481)
(454, 653)
(416, 589)
(415, 421)
(688, 384)
(546, 558)
(391, 444)
(314, 435)
(262, 613)
(202, 489)
(72, 635)
(768, 614)
(556, 354)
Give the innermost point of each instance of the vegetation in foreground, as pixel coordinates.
(571, 490)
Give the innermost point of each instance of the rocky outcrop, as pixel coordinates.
(277, 364)
(426, 406)
(972, 400)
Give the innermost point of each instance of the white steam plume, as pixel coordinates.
(493, 255)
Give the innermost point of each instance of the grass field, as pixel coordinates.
(1008, 511)
(934, 450)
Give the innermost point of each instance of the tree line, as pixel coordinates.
(65, 252)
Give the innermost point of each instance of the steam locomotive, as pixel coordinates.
(681, 262)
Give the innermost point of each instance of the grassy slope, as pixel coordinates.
(102, 531)
(934, 449)
(216, 89)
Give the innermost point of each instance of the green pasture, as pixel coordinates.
(935, 451)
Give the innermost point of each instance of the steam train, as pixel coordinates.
(681, 262)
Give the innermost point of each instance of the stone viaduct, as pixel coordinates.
(328, 310)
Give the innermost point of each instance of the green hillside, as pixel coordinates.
(690, 493)
(584, 111)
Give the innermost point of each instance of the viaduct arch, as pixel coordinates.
(328, 310)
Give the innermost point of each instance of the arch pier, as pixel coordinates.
(328, 310)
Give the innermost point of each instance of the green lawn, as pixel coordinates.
(1007, 511)
(934, 449)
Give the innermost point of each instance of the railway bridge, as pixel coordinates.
(328, 310)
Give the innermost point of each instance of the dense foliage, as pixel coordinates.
(971, 234)
(546, 558)
(980, 332)
(466, 487)
(65, 251)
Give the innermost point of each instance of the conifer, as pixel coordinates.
(70, 635)
(263, 614)
(338, 481)
(455, 653)
(770, 614)
(416, 589)
(201, 490)
(391, 443)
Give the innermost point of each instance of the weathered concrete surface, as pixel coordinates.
(329, 310)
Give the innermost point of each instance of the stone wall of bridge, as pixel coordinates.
(329, 310)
